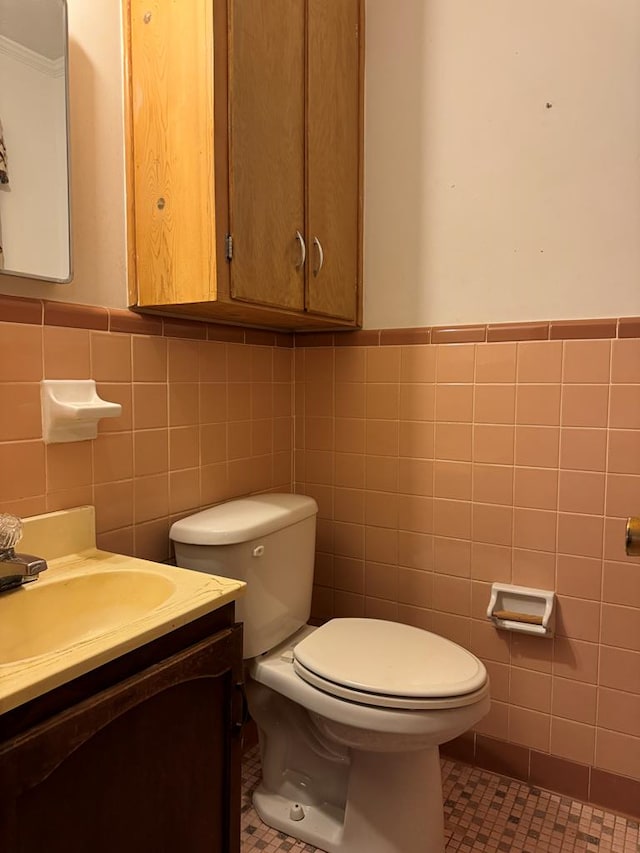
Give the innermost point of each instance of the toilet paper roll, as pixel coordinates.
(529, 618)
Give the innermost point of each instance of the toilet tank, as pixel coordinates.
(268, 541)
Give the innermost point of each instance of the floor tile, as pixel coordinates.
(484, 813)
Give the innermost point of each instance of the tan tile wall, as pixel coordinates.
(441, 468)
(438, 468)
(202, 421)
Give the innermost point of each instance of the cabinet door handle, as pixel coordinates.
(303, 250)
(318, 244)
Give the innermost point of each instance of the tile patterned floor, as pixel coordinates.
(484, 813)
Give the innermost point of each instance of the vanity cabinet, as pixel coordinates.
(142, 754)
(245, 160)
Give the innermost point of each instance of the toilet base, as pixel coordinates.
(404, 815)
(321, 825)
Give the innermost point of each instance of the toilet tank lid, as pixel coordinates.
(243, 520)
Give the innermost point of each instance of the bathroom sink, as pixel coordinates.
(46, 617)
(90, 607)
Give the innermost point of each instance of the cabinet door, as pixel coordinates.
(333, 157)
(266, 150)
(172, 140)
(148, 765)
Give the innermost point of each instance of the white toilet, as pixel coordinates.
(350, 715)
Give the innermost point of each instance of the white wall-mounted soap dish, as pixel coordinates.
(71, 410)
(523, 609)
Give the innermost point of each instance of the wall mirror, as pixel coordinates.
(34, 148)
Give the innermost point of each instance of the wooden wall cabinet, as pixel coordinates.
(244, 145)
(140, 755)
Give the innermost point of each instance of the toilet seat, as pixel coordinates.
(377, 700)
(275, 670)
(389, 665)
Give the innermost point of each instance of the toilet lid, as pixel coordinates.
(388, 664)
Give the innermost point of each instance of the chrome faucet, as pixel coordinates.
(16, 569)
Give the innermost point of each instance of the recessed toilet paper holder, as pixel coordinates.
(523, 609)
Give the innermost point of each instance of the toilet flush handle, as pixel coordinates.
(258, 551)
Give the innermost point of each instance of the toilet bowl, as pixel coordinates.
(366, 774)
(350, 714)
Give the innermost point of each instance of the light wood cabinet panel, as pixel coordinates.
(333, 157)
(172, 140)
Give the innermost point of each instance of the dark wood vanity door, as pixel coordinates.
(150, 765)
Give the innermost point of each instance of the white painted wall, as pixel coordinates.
(482, 204)
(97, 162)
(34, 205)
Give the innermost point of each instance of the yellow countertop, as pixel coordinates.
(92, 606)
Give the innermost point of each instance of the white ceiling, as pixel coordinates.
(36, 24)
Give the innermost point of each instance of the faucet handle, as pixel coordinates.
(10, 531)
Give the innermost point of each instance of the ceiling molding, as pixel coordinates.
(22, 54)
